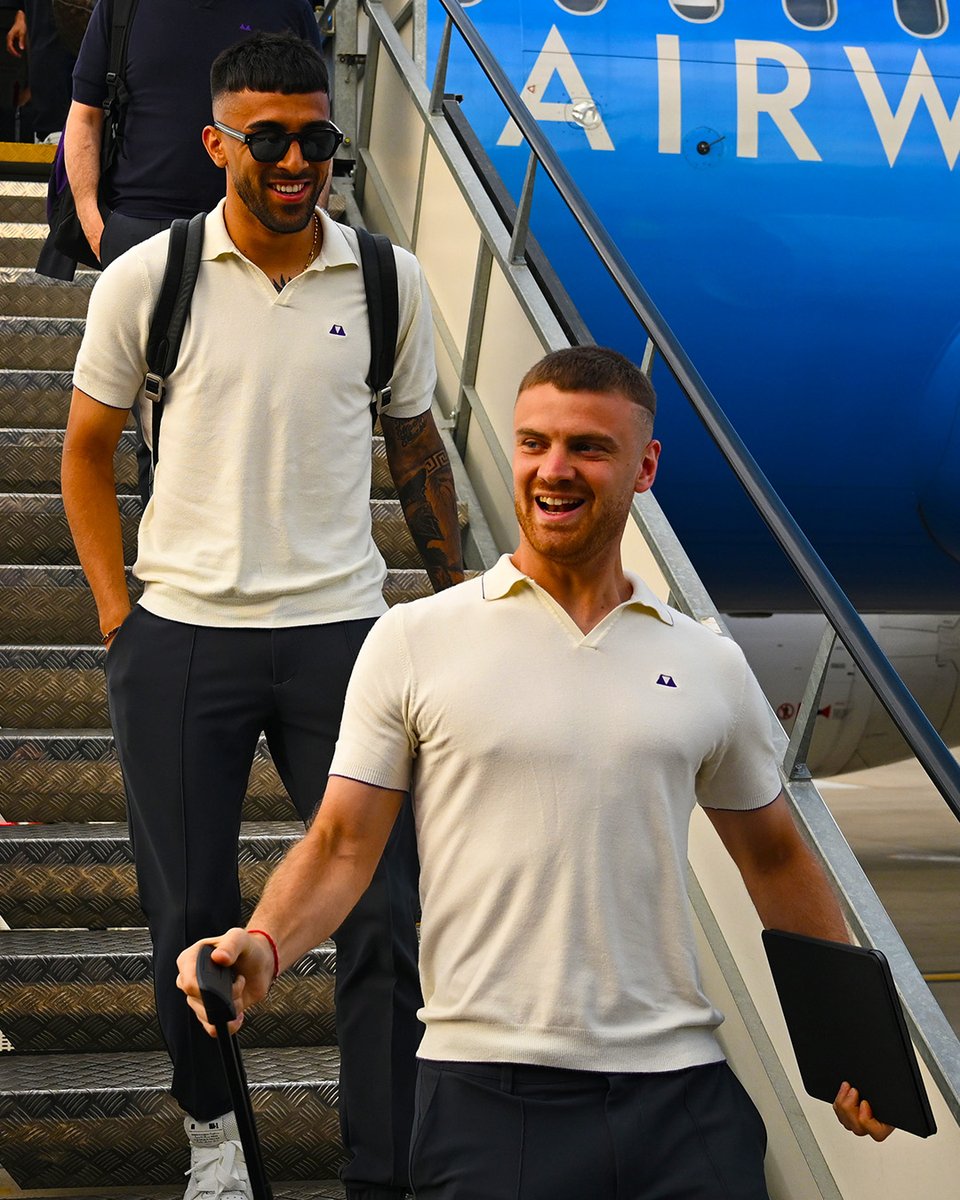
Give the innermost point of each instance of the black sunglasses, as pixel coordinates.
(317, 144)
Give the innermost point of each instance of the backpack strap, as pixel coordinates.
(171, 312)
(383, 312)
(117, 99)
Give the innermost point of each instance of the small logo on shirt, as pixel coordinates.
(666, 681)
(338, 331)
(246, 29)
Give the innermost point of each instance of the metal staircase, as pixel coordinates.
(83, 1092)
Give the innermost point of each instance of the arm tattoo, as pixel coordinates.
(421, 470)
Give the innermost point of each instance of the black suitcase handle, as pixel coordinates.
(216, 991)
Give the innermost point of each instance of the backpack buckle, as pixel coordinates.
(153, 387)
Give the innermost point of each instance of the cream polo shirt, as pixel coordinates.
(261, 508)
(553, 775)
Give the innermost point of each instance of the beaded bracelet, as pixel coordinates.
(273, 947)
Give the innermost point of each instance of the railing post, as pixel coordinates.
(521, 224)
(440, 74)
(471, 349)
(795, 759)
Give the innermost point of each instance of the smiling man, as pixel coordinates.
(261, 576)
(557, 724)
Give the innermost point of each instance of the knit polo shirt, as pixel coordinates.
(261, 507)
(553, 776)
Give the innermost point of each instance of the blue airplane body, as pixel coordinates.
(788, 197)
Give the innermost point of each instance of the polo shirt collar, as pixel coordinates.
(503, 578)
(335, 250)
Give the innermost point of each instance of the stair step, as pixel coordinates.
(53, 606)
(40, 343)
(330, 1189)
(34, 399)
(60, 777)
(81, 876)
(20, 243)
(52, 687)
(30, 460)
(106, 1119)
(33, 530)
(92, 992)
(24, 293)
(23, 203)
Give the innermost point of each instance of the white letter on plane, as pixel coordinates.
(778, 105)
(555, 58)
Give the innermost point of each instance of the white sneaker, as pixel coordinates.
(217, 1167)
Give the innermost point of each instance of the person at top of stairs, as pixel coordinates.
(556, 724)
(261, 575)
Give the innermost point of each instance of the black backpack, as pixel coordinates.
(176, 292)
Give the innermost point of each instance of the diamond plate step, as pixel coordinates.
(53, 687)
(33, 530)
(40, 343)
(92, 992)
(306, 1190)
(24, 293)
(20, 243)
(53, 606)
(30, 460)
(59, 777)
(86, 1120)
(23, 202)
(81, 876)
(34, 399)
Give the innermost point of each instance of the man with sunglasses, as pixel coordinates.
(261, 576)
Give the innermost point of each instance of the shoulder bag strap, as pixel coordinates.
(383, 312)
(171, 312)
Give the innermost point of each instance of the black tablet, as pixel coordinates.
(845, 1022)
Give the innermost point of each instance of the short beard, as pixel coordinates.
(257, 205)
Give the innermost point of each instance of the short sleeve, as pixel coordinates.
(744, 773)
(415, 372)
(111, 363)
(90, 70)
(376, 743)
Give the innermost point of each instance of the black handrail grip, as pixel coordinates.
(935, 758)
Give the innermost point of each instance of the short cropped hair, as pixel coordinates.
(269, 62)
(593, 369)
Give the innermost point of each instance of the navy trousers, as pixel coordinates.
(188, 704)
(488, 1131)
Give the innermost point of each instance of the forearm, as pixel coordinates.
(795, 895)
(421, 470)
(81, 151)
(90, 501)
(786, 881)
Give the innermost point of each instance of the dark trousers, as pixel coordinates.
(188, 705)
(487, 1131)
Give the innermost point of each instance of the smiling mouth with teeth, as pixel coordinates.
(288, 189)
(557, 504)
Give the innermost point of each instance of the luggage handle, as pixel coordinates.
(216, 991)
